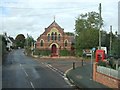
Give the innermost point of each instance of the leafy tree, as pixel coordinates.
(116, 46)
(105, 41)
(28, 43)
(69, 33)
(29, 40)
(87, 21)
(87, 31)
(20, 40)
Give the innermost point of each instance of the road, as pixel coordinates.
(20, 71)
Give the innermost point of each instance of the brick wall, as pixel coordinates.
(60, 43)
(105, 79)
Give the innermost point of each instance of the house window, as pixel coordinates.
(48, 37)
(59, 37)
(52, 36)
(41, 43)
(55, 35)
(66, 43)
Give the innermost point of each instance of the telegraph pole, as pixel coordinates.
(110, 39)
(100, 26)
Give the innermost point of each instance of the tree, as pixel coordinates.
(20, 40)
(69, 33)
(87, 21)
(87, 31)
(116, 46)
(29, 40)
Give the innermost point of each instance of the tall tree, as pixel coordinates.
(29, 41)
(115, 45)
(20, 40)
(87, 31)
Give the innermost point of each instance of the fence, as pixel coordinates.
(109, 71)
(106, 76)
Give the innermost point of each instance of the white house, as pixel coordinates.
(9, 42)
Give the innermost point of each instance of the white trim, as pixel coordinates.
(55, 44)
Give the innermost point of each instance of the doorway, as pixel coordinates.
(54, 50)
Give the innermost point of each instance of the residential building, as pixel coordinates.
(9, 40)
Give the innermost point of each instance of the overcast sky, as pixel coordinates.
(32, 16)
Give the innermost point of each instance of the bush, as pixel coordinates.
(64, 52)
(28, 50)
(102, 63)
(42, 52)
(79, 53)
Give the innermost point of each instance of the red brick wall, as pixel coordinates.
(60, 43)
(105, 79)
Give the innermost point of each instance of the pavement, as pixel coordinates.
(82, 77)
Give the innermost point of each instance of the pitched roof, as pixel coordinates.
(54, 24)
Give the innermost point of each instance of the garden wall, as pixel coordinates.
(111, 79)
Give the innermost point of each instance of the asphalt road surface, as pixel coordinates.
(20, 71)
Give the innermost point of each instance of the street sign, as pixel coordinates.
(93, 49)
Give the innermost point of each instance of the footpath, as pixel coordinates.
(82, 78)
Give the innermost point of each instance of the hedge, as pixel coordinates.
(64, 53)
(42, 52)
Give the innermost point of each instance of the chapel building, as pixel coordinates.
(54, 39)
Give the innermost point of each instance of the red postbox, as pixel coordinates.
(100, 55)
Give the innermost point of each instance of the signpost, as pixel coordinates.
(92, 51)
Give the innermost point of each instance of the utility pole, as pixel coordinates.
(100, 26)
(110, 39)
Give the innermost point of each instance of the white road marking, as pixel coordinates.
(32, 84)
(55, 70)
(24, 70)
(20, 65)
(63, 75)
(26, 73)
(49, 65)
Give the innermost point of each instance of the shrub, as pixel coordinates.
(28, 50)
(102, 63)
(64, 52)
(42, 52)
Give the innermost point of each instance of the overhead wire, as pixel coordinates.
(64, 10)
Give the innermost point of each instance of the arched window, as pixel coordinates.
(48, 37)
(66, 43)
(41, 43)
(52, 36)
(55, 35)
(58, 37)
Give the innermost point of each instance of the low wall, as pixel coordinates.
(105, 79)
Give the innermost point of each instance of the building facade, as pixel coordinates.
(10, 43)
(54, 39)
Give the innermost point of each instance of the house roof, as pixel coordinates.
(12, 39)
(54, 24)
